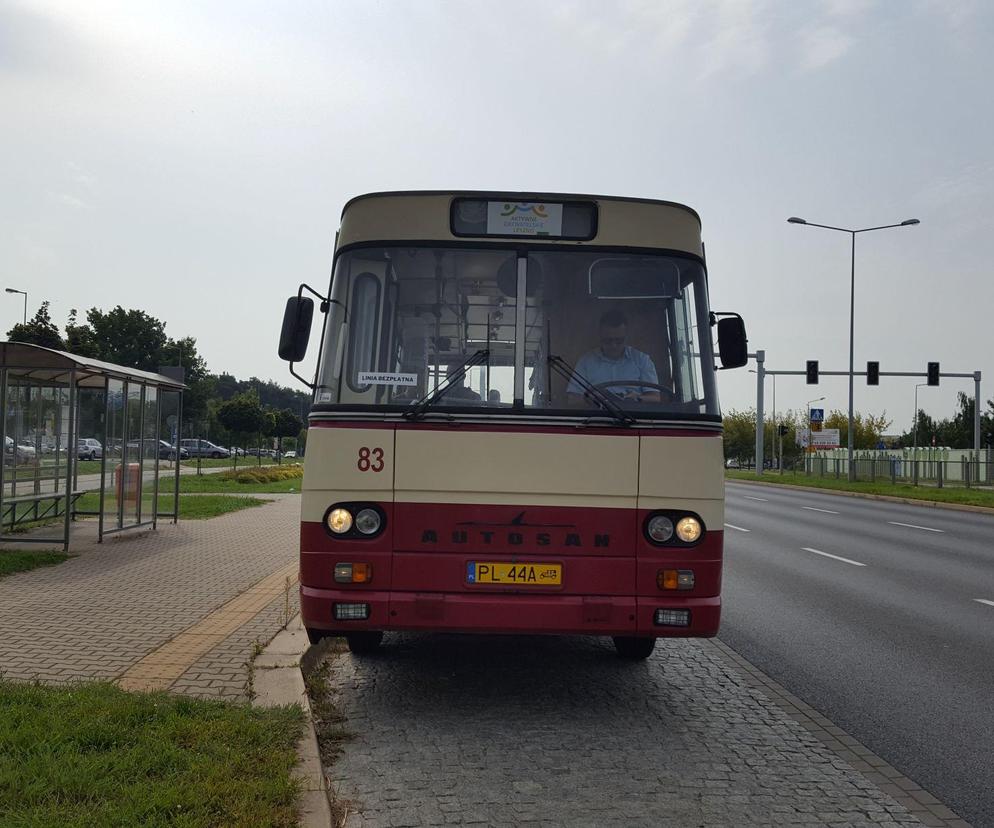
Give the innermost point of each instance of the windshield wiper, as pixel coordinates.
(428, 400)
(564, 369)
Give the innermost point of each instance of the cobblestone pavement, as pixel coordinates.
(546, 731)
(102, 611)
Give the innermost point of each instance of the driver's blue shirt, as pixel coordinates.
(596, 368)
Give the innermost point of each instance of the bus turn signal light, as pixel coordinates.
(353, 573)
(675, 579)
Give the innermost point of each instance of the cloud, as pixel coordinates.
(822, 45)
(32, 42)
(70, 200)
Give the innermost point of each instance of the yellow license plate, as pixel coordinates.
(520, 574)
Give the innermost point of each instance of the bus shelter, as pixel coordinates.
(84, 438)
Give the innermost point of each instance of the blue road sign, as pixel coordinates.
(817, 415)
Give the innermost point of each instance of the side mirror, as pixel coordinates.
(733, 347)
(296, 328)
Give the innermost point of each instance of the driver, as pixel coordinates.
(615, 361)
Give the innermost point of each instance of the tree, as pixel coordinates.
(242, 415)
(286, 424)
(39, 331)
(868, 428)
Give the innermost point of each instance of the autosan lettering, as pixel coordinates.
(486, 537)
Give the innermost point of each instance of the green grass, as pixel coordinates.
(228, 462)
(200, 507)
(93, 754)
(247, 480)
(970, 497)
(22, 560)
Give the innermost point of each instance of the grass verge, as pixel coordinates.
(93, 754)
(22, 560)
(963, 496)
(200, 507)
(263, 480)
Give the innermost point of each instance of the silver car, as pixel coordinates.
(89, 448)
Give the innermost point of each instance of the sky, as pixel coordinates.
(191, 159)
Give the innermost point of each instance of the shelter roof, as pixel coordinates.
(45, 365)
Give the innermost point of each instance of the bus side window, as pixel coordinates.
(364, 329)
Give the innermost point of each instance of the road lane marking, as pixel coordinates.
(834, 557)
(813, 509)
(984, 601)
(912, 526)
(760, 499)
(737, 528)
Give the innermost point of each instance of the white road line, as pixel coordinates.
(813, 509)
(761, 499)
(737, 528)
(912, 526)
(834, 557)
(984, 601)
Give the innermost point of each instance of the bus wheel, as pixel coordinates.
(315, 636)
(636, 648)
(365, 642)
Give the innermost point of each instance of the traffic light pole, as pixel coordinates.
(762, 372)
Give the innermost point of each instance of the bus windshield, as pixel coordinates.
(489, 330)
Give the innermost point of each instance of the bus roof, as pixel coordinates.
(424, 216)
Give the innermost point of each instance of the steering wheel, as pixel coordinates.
(667, 394)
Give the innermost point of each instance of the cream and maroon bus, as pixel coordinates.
(515, 423)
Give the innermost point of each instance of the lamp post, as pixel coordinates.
(811, 441)
(852, 306)
(914, 429)
(15, 290)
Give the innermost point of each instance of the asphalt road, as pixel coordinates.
(881, 616)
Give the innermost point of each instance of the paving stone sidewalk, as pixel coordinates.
(102, 611)
(545, 731)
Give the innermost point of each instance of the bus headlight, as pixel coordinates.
(339, 521)
(368, 521)
(659, 529)
(688, 529)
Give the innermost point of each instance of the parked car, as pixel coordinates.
(731, 463)
(289, 455)
(21, 451)
(204, 448)
(89, 448)
(150, 448)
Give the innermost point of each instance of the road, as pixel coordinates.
(881, 616)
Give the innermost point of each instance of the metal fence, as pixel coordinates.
(961, 472)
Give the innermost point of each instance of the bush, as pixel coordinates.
(267, 474)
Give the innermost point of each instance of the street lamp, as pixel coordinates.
(914, 428)
(15, 290)
(852, 308)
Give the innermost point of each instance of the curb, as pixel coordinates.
(277, 681)
(935, 504)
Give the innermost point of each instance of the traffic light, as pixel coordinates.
(812, 372)
(873, 373)
(783, 431)
(933, 373)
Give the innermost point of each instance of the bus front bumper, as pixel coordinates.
(507, 613)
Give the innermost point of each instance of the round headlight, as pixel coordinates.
(368, 521)
(339, 521)
(688, 529)
(660, 529)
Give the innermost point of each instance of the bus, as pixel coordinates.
(515, 425)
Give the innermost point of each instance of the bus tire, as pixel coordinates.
(365, 642)
(315, 636)
(634, 648)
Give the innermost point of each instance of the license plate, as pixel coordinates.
(519, 574)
